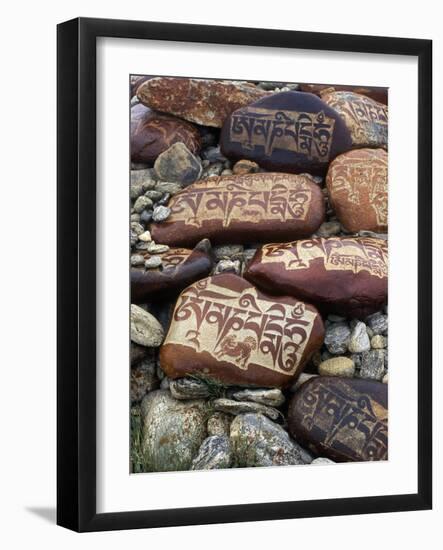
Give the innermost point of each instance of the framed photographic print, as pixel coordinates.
(244, 274)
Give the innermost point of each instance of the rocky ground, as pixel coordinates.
(192, 423)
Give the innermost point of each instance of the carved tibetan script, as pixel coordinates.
(265, 198)
(346, 420)
(363, 180)
(241, 328)
(364, 254)
(308, 134)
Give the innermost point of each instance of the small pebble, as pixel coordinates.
(161, 213)
(145, 237)
(142, 203)
(157, 248)
(337, 366)
(146, 216)
(153, 195)
(137, 259)
(378, 342)
(359, 339)
(153, 262)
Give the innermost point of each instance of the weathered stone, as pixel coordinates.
(378, 322)
(145, 329)
(257, 441)
(245, 166)
(224, 329)
(377, 94)
(188, 388)
(322, 460)
(219, 423)
(337, 338)
(240, 407)
(143, 379)
(337, 366)
(329, 229)
(145, 237)
(144, 178)
(172, 431)
(142, 203)
(140, 352)
(161, 213)
(153, 262)
(341, 419)
(228, 266)
(205, 102)
(357, 183)
(242, 209)
(224, 252)
(214, 454)
(136, 81)
(153, 133)
(137, 260)
(170, 187)
(343, 275)
(359, 339)
(288, 132)
(366, 119)
(178, 164)
(180, 268)
(270, 397)
(378, 342)
(154, 194)
(372, 364)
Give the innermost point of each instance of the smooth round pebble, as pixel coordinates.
(153, 262)
(337, 366)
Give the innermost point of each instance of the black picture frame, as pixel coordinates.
(76, 281)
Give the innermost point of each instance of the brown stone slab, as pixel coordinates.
(288, 132)
(153, 133)
(366, 119)
(206, 102)
(180, 267)
(342, 419)
(375, 93)
(357, 183)
(224, 329)
(344, 275)
(241, 209)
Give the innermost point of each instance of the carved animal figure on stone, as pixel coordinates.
(239, 350)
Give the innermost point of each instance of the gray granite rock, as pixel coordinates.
(143, 379)
(172, 432)
(257, 441)
(188, 388)
(161, 213)
(240, 407)
(372, 364)
(378, 323)
(142, 203)
(145, 329)
(359, 339)
(178, 164)
(219, 423)
(214, 454)
(322, 460)
(228, 266)
(337, 337)
(172, 188)
(153, 262)
(270, 397)
(225, 251)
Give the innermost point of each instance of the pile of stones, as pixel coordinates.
(259, 270)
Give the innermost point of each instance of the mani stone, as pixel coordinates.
(153, 133)
(225, 330)
(291, 132)
(341, 419)
(205, 102)
(366, 119)
(357, 184)
(257, 441)
(178, 164)
(214, 454)
(343, 275)
(145, 329)
(172, 431)
(179, 268)
(375, 93)
(243, 209)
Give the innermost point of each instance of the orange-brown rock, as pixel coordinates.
(342, 419)
(225, 330)
(136, 81)
(291, 132)
(153, 133)
(357, 183)
(206, 102)
(344, 275)
(376, 93)
(241, 209)
(179, 268)
(366, 119)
